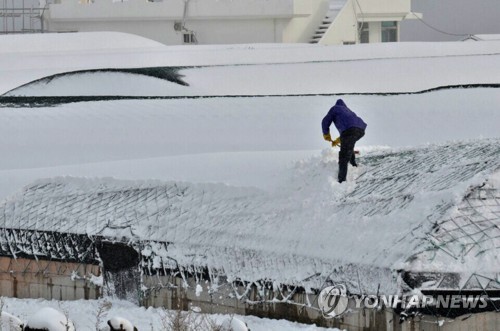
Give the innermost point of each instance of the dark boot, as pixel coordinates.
(353, 160)
(342, 170)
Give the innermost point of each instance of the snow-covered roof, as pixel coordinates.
(64, 43)
(69, 68)
(430, 209)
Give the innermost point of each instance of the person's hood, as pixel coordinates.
(340, 102)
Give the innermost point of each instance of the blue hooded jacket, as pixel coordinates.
(342, 117)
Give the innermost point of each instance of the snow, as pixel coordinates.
(494, 180)
(74, 42)
(243, 69)
(487, 37)
(234, 324)
(218, 140)
(84, 314)
(245, 232)
(9, 321)
(50, 319)
(250, 182)
(198, 290)
(331, 76)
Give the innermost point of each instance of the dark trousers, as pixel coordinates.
(348, 139)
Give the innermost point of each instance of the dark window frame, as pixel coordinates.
(389, 31)
(364, 32)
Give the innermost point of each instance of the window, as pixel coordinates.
(389, 31)
(364, 33)
(189, 38)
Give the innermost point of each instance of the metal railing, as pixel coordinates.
(20, 17)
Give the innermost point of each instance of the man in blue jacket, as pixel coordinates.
(351, 128)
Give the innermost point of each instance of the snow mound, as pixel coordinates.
(395, 212)
(49, 319)
(233, 324)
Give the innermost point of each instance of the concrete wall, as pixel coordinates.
(236, 32)
(375, 31)
(26, 278)
(308, 16)
(206, 31)
(234, 300)
(213, 22)
(384, 7)
(223, 21)
(224, 299)
(345, 27)
(169, 9)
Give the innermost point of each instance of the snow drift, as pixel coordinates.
(90, 70)
(50, 319)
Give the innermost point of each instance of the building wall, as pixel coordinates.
(169, 9)
(234, 31)
(233, 299)
(206, 31)
(181, 294)
(380, 7)
(309, 14)
(375, 32)
(27, 278)
(345, 27)
(225, 21)
(213, 22)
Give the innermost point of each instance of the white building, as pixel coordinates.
(174, 22)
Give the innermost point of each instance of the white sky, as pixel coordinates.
(453, 16)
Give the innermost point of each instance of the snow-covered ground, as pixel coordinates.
(85, 315)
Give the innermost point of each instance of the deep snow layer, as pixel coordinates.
(309, 228)
(360, 76)
(237, 141)
(242, 69)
